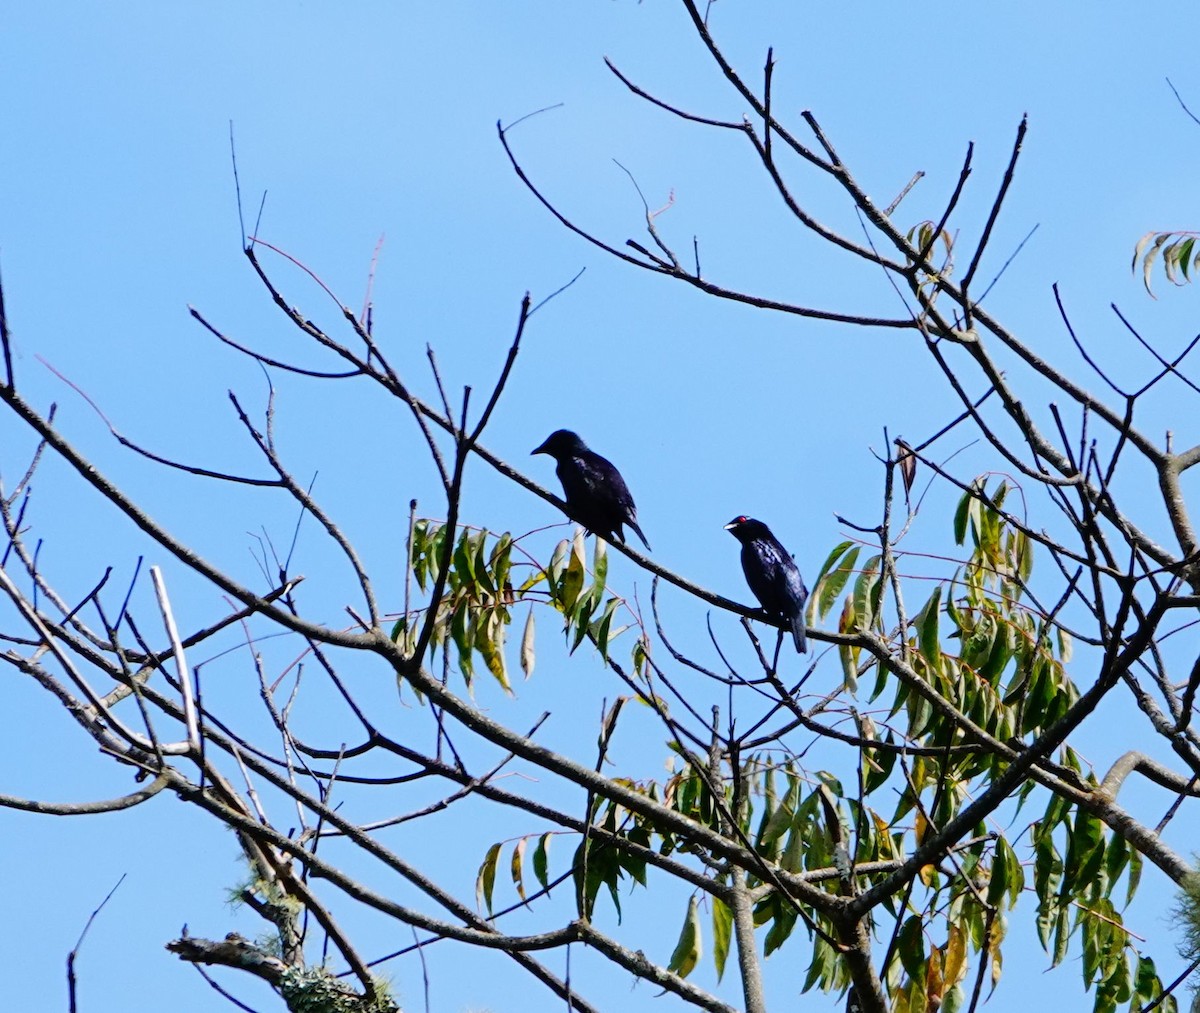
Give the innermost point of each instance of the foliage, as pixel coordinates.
(1178, 251)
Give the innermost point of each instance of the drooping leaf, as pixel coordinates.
(516, 866)
(910, 946)
(541, 861)
(906, 460)
(489, 641)
(832, 578)
(956, 955)
(688, 949)
(998, 883)
(722, 924)
(485, 879)
(927, 626)
(572, 582)
(865, 597)
(848, 654)
(528, 657)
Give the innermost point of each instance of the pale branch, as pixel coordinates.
(99, 711)
(232, 951)
(1135, 762)
(84, 808)
(183, 673)
(638, 963)
(747, 950)
(479, 932)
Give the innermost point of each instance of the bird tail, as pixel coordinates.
(634, 525)
(799, 633)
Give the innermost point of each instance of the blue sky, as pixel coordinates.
(117, 212)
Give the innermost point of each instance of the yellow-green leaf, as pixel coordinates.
(722, 922)
(687, 950)
(485, 880)
(518, 857)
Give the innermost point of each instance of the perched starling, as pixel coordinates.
(772, 575)
(596, 494)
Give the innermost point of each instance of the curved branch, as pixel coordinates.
(85, 808)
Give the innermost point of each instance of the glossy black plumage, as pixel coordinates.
(596, 494)
(772, 575)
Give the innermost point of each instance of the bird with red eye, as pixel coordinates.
(772, 575)
(596, 494)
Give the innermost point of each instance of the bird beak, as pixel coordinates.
(731, 525)
(540, 450)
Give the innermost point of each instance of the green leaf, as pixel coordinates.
(602, 627)
(722, 924)
(911, 947)
(572, 582)
(781, 818)
(599, 565)
(954, 1000)
(865, 597)
(960, 517)
(831, 581)
(687, 950)
(782, 923)
(485, 879)
(1185, 255)
(998, 883)
(635, 865)
(927, 626)
(461, 633)
(1023, 551)
(823, 967)
(1047, 874)
(1014, 874)
(463, 559)
(1062, 935)
(849, 654)
(1085, 856)
(793, 852)
(1115, 860)
(541, 861)
(1135, 874)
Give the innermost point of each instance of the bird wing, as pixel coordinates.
(596, 493)
(773, 577)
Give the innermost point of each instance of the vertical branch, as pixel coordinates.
(5, 340)
(185, 675)
(768, 71)
(740, 904)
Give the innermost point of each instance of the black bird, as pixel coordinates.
(772, 575)
(596, 494)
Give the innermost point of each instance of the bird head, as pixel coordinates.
(561, 443)
(746, 529)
